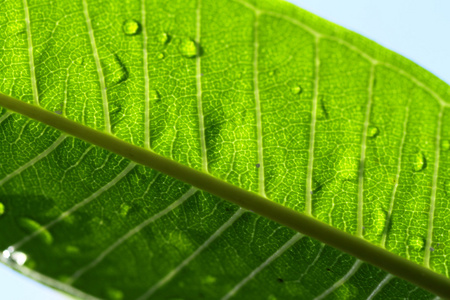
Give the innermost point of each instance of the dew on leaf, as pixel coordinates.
(114, 294)
(419, 162)
(124, 208)
(416, 243)
(131, 27)
(72, 249)
(445, 145)
(209, 279)
(115, 70)
(153, 95)
(431, 249)
(258, 165)
(160, 55)
(373, 131)
(296, 90)
(15, 256)
(188, 48)
(162, 38)
(2, 209)
(79, 61)
(31, 226)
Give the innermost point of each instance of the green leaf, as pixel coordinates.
(259, 103)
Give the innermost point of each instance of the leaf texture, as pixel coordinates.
(260, 94)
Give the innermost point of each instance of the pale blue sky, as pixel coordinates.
(416, 29)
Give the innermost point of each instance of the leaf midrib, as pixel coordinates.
(360, 248)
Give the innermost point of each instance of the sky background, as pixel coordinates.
(415, 29)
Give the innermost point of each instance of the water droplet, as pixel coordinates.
(153, 95)
(431, 249)
(58, 112)
(188, 48)
(162, 38)
(373, 131)
(2, 209)
(7, 253)
(31, 226)
(124, 208)
(447, 187)
(15, 256)
(72, 249)
(114, 294)
(296, 90)
(161, 55)
(115, 70)
(131, 27)
(445, 145)
(419, 162)
(79, 61)
(209, 279)
(19, 257)
(417, 243)
(258, 165)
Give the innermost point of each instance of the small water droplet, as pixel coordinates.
(7, 253)
(209, 279)
(114, 70)
(15, 256)
(161, 55)
(124, 208)
(72, 249)
(31, 226)
(79, 61)
(131, 27)
(153, 95)
(162, 38)
(373, 131)
(296, 90)
(188, 48)
(419, 162)
(258, 165)
(2, 209)
(416, 243)
(114, 294)
(58, 112)
(19, 257)
(445, 145)
(431, 249)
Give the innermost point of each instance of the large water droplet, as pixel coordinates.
(373, 131)
(188, 48)
(445, 145)
(31, 226)
(131, 27)
(2, 209)
(420, 162)
(296, 90)
(162, 38)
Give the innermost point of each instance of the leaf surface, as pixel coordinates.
(261, 95)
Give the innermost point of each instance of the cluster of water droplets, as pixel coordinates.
(14, 256)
